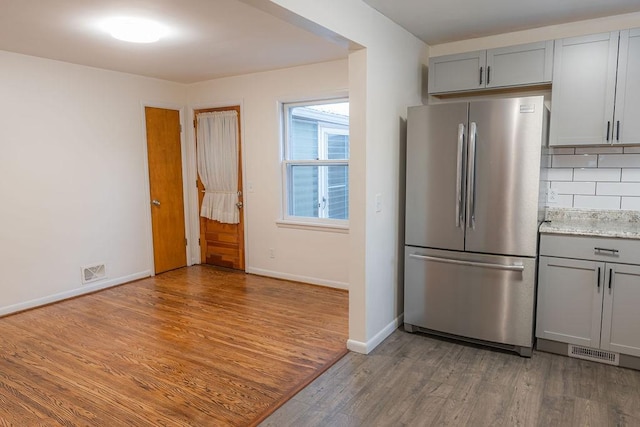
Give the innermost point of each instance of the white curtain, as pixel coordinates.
(218, 165)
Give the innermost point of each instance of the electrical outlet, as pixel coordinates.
(552, 196)
(272, 253)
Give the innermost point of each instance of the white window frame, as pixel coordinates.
(324, 130)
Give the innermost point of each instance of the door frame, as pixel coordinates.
(185, 175)
(194, 218)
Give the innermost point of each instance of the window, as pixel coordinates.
(316, 161)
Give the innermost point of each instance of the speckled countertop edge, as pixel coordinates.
(590, 222)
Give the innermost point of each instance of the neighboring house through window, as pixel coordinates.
(316, 161)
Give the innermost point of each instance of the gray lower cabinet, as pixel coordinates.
(589, 302)
(620, 310)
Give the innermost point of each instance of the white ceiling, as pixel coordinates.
(211, 38)
(440, 21)
(217, 38)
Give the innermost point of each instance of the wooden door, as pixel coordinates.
(165, 184)
(222, 244)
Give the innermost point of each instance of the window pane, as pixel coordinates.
(303, 143)
(303, 191)
(315, 133)
(319, 191)
(338, 192)
(337, 147)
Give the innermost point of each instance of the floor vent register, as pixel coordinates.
(586, 353)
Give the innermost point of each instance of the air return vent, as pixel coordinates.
(93, 273)
(586, 353)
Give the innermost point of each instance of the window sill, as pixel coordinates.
(314, 226)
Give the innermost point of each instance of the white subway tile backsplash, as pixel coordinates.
(561, 150)
(596, 202)
(574, 187)
(631, 175)
(631, 203)
(563, 201)
(599, 150)
(559, 174)
(618, 189)
(575, 161)
(619, 160)
(599, 174)
(593, 177)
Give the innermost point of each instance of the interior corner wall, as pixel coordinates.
(312, 256)
(392, 69)
(73, 180)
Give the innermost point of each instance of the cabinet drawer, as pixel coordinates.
(624, 251)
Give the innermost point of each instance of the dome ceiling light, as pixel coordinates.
(135, 30)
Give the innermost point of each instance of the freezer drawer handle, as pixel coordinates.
(512, 267)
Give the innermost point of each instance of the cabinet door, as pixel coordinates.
(453, 73)
(621, 316)
(570, 301)
(520, 65)
(583, 92)
(627, 125)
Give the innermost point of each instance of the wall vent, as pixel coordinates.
(93, 273)
(586, 353)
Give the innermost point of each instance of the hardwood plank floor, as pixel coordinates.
(417, 380)
(196, 346)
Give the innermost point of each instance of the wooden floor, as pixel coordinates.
(415, 380)
(196, 346)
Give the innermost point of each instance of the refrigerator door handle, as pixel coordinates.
(471, 187)
(459, 167)
(510, 267)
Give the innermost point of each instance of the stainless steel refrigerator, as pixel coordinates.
(472, 216)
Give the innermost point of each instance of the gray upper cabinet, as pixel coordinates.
(627, 106)
(590, 105)
(521, 65)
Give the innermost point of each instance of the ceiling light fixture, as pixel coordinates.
(135, 30)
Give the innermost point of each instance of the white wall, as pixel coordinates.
(73, 184)
(313, 256)
(383, 80)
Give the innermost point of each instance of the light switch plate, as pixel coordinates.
(378, 202)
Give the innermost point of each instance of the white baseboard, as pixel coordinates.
(296, 278)
(73, 293)
(367, 347)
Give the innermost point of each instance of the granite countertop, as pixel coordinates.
(587, 222)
